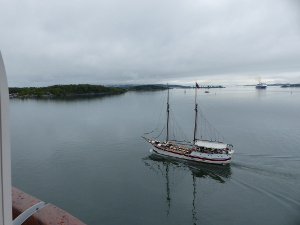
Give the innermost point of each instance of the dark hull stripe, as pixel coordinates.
(195, 157)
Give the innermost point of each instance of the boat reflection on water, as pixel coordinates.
(168, 167)
(219, 173)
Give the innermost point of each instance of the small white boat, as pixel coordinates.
(199, 150)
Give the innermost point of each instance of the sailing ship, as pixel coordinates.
(199, 150)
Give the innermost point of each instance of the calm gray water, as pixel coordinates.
(86, 156)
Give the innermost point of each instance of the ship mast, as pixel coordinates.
(196, 113)
(168, 115)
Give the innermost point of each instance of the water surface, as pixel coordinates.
(86, 156)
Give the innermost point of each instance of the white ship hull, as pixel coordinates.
(196, 156)
(261, 86)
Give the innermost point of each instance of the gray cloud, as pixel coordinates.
(150, 41)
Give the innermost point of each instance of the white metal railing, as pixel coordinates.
(5, 159)
(26, 214)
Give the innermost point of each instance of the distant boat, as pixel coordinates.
(261, 85)
(199, 150)
(206, 91)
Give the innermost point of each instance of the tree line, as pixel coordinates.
(147, 87)
(63, 90)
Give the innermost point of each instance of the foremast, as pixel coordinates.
(168, 115)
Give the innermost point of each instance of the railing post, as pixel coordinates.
(5, 159)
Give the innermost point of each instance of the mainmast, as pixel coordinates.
(168, 115)
(196, 112)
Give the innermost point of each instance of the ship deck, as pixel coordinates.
(49, 214)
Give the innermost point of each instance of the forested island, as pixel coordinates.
(76, 89)
(83, 89)
(291, 85)
(149, 87)
(63, 90)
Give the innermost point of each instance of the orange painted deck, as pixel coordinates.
(48, 215)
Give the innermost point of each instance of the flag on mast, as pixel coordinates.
(197, 86)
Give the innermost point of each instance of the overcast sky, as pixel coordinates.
(227, 42)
